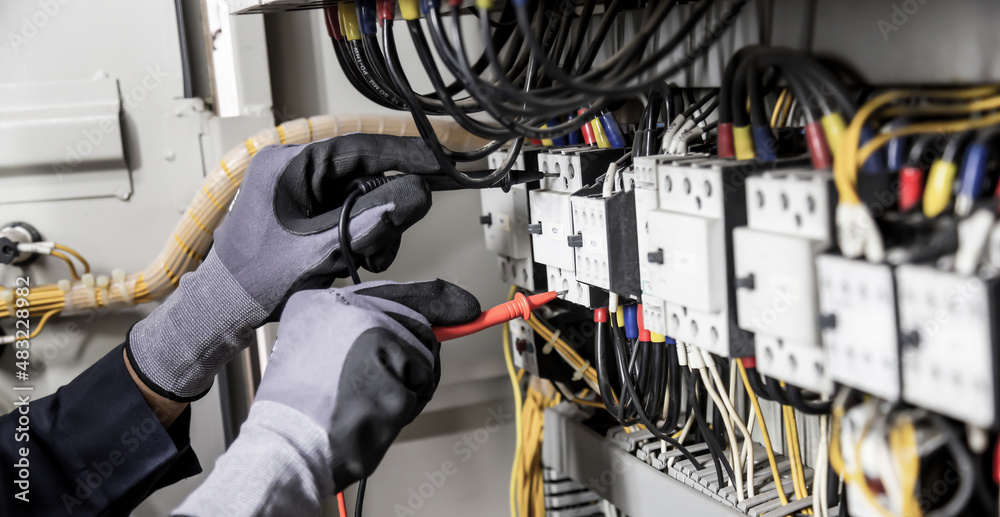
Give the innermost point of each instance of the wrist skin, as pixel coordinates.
(166, 410)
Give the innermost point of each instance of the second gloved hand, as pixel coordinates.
(350, 368)
(280, 237)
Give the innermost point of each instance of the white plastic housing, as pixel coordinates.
(862, 343)
(791, 203)
(783, 301)
(950, 368)
(507, 234)
(592, 258)
(555, 214)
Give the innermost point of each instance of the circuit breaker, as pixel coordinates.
(857, 306)
(551, 226)
(686, 247)
(789, 221)
(948, 330)
(505, 221)
(605, 241)
(505, 217)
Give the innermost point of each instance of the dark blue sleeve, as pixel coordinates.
(94, 447)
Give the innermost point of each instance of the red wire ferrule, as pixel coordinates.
(911, 187)
(724, 140)
(819, 151)
(601, 315)
(332, 18)
(750, 362)
(386, 10)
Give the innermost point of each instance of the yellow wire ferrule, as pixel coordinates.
(620, 316)
(599, 136)
(484, 4)
(349, 21)
(743, 143)
(657, 338)
(547, 142)
(834, 127)
(410, 9)
(939, 181)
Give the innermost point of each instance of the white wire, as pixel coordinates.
(739, 421)
(730, 432)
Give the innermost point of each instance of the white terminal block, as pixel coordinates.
(708, 331)
(592, 259)
(552, 212)
(496, 159)
(857, 299)
(507, 219)
(521, 332)
(520, 272)
(947, 335)
(564, 163)
(565, 280)
(792, 203)
(654, 314)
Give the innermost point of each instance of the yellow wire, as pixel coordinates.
(925, 127)
(786, 111)
(42, 322)
(792, 439)
(64, 258)
(763, 433)
(779, 107)
(857, 476)
(903, 444)
(516, 388)
(71, 251)
(845, 165)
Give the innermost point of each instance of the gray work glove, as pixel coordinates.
(281, 236)
(351, 367)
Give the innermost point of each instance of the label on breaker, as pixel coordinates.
(554, 231)
(684, 261)
(503, 222)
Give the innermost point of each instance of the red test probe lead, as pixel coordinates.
(520, 307)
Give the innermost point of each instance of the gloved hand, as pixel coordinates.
(350, 368)
(281, 237)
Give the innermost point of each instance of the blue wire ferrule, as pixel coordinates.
(973, 173)
(875, 162)
(427, 6)
(575, 138)
(367, 16)
(896, 152)
(632, 321)
(614, 132)
(765, 147)
(561, 141)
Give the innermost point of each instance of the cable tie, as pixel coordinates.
(547, 349)
(119, 277)
(578, 374)
(88, 282)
